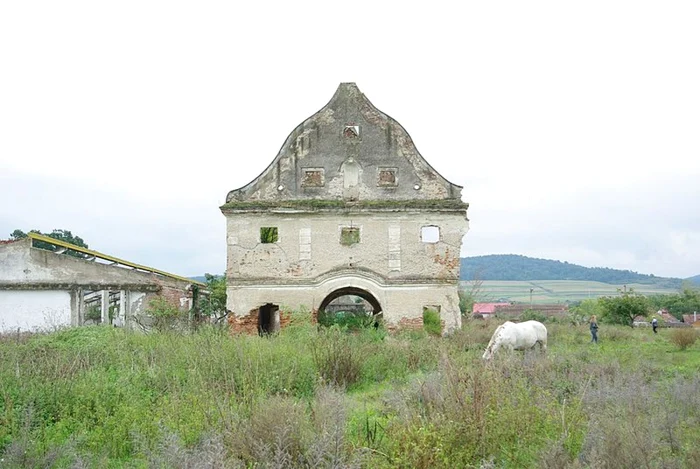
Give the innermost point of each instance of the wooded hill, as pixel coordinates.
(522, 268)
(513, 267)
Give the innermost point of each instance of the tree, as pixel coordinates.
(622, 309)
(583, 310)
(214, 306)
(62, 235)
(678, 304)
(467, 298)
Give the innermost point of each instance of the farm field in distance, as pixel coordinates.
(554, 291)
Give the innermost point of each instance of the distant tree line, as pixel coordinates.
(522, 268)
(628, 304)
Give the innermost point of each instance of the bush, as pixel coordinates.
(337, 359)
(466, 302)
(93, 313)
(684, 337)
(347, 319)
(431, 322)
(532, 315)
(164, 315)
(474, 335)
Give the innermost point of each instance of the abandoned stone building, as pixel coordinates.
(347, 207)
(43, 290)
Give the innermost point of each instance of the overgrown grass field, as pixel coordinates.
(104, 397)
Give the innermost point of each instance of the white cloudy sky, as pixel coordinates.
(574, 127)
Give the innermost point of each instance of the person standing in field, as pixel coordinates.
(594, 329)
(654, 324)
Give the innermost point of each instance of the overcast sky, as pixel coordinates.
(574, 127)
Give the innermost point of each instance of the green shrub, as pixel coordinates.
(431, 321)
(347, 320)
(532, 315)
(466, 302)
(683, 337)
(337, 358)
(165, 315)
(93, 313)
(474, 334)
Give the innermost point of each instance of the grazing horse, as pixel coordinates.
(517, 336)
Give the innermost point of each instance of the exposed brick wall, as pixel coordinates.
(409, 324)
(249, 324)
(174, 295)
(243, 324)
(285, 319)
(406, 323)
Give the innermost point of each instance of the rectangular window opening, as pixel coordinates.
(313, 177)
(268, 234)
(349, 236)
(387, 177)
(430, 234)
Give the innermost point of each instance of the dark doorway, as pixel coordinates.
(268, 319)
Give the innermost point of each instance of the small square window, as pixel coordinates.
(313, 177)
(387, 177)
(268, 234)
(349, 236)
(351, 131)
(430, 234)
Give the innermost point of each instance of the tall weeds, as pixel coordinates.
(98, 396)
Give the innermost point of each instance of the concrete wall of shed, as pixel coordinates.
(28, 310)
(29, 274)
(23, 264)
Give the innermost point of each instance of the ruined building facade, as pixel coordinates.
(347, 207)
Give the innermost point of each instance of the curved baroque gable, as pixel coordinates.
(348, 151)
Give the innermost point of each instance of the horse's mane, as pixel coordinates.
(496, 335)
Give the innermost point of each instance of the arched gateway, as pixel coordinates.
(349, 292)
(348, 206)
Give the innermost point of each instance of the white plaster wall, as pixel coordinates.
(390, 244)
(397, 302)
(308, 262)
(34, 310)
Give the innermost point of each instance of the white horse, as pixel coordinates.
(517, 336)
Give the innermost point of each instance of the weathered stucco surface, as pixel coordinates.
(349, 172)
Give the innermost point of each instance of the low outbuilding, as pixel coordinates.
(41, 289)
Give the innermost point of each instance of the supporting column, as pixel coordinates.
(122, 309)
(105, 307)
(128, 319)
(76, 299)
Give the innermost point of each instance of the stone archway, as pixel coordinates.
(365, 295)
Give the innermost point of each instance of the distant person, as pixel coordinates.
(594, 329)
(654, 324)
